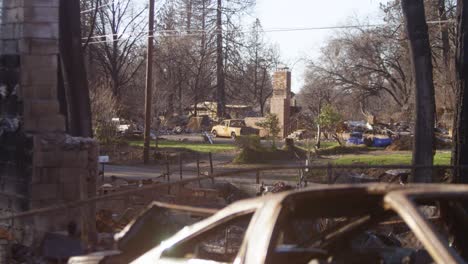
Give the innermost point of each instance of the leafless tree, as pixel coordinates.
(260, 59)
(421, 59)
(116, 52)
(317, 92)
(369, 62)
(460, 151)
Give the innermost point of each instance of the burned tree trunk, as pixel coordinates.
(149, 83)
(444, 34)
(421, 60)
(73, 70)
(460, 151)
(220, 87)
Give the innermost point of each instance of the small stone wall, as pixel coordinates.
(64, 171)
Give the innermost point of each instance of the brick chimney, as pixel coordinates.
(281, 99)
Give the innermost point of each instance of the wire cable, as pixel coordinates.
(100, 7)
(271, 30)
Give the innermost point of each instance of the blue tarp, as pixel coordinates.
(377, 142)
(356, 135)
(382, 142)
(355, 141)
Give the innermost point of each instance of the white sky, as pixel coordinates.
(298, 45)
(310, 13)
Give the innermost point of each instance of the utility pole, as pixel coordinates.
(149, 82)
(220, 87)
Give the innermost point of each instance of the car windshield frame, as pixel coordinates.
(401, 203)
(404, 202)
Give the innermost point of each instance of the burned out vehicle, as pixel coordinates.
(369, 223)
(233, 128)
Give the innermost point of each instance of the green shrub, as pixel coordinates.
(252, 151)
(271, 124)
(106, 132)
(249, 142)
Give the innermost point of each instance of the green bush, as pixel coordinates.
(106, 133)
(271, 124)
(249, 142)
(252, 151)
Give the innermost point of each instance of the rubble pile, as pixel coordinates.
(198, 123)
(298, 134)
(406, 143)
(402, 143)
(106, 224)
(275, 188)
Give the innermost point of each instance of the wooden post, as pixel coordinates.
(85, 213)
(168, 174)
(257, 177)
(329, 173)
(102, 177)
(198, 169)
(168, 171)
(180, 166)
(211, 167)
(149, 82)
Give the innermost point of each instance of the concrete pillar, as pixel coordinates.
(64, 169)
(281, 99)
(30, 31)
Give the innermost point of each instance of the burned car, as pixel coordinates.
(371, 223)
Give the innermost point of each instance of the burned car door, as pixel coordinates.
(347, 227)
(218, 244)
(365, 227)
(444, 236)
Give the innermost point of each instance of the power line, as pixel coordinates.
(101, 6)
(271, 30)
(200, 31)
(155, 35)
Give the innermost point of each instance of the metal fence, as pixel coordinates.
(328, 174)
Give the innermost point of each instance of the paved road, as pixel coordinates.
(198, 138)
(132, 172)
(220, 160)
(189, 171)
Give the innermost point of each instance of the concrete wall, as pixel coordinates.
(64, 170)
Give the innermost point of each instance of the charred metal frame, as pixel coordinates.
(398, 199)
(404, 203)
(154, 187)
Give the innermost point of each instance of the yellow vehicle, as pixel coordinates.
(232, 128)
